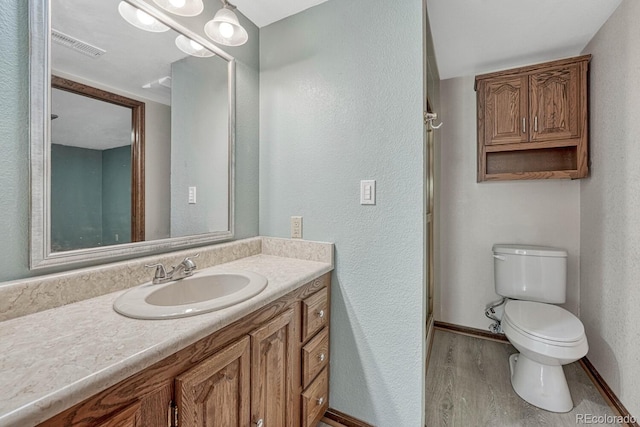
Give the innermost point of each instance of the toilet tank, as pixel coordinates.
(532, 273)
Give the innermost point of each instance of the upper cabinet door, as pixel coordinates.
(216, 392)
(272, 364)
(555, 104)
(505, 110)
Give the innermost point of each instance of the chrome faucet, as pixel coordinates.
(182, 270)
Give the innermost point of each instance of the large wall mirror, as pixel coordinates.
(132, 133)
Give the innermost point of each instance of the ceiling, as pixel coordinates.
(88, 123)
(478, 36)
(263, 13)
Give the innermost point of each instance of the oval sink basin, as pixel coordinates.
(201, 293)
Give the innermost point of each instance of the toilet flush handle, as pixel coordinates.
(500, 257)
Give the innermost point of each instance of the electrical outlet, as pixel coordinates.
(296, 227)
(192, 195)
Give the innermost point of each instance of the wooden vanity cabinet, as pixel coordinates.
(217, 391)
(533, 121)
(262, 370)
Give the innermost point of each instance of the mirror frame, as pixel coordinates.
(41, 255)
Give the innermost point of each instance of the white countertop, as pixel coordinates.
(56, 358)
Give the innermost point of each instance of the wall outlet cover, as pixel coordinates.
(296, 227)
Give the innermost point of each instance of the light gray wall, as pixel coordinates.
(610, 207)
(199, 145)
(157, 171)
(14, 139)
(474, 216)
(340, 101)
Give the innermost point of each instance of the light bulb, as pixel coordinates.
(144, 17)
(226, 30)
(197, 46)
(178, 3)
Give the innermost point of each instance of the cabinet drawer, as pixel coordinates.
(315, 400)
(315, 313)
(315, 356)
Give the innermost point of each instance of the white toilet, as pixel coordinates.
(532, 278)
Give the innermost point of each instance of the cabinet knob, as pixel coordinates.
(322, 357)
(321, 401)
(321, 314)
(260, 423)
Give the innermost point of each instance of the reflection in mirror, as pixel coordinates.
(139, 153)
(97, 186)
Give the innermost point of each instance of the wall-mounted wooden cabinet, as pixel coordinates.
(269, 369)
(533, 121)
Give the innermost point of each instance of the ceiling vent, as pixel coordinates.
(75, 44)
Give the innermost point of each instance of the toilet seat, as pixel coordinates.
(544, 323)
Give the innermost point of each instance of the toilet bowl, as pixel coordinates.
(532, 279)
(547, 337)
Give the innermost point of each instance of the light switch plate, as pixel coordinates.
(296, 227)
(368, 192)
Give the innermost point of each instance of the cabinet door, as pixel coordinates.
(128, 417)
(555, 104)
(272, 364)
(505, 110)
(216, 392)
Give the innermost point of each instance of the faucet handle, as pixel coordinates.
(188, 262)
(160, 273)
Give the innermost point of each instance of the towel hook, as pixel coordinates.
(429, 118)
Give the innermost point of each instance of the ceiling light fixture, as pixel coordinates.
(225, 28)
(181, 7)
(191, 47)
(140, 19)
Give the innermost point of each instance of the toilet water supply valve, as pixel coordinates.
(491, 314)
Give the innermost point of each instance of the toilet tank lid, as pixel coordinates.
(531, 250)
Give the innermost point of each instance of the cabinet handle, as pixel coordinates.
(321, 357)
(524, 125)
(321, 314)
(260, 423)
(535, 124)
(321, 401)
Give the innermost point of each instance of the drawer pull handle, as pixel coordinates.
(321, 401)
(260, 423)
(321, 314)
(321, 357)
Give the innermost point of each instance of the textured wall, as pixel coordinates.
(340, 101)
(610, 207)
(76, 197)
(157, 171)
(14, 139)
(474, 216)
(116, 195)
(199, 145)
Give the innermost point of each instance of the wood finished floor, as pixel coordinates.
(468, 385)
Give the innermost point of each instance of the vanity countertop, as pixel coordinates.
(56, 358)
